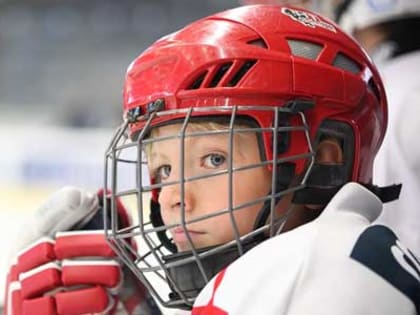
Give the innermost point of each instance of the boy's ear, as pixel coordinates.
(329, 152)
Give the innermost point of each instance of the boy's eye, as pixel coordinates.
(162, 173)
(214, 160)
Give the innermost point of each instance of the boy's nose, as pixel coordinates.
(170, 197)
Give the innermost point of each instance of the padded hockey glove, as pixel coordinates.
(66, 266)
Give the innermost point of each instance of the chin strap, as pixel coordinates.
(385, 193)
(322, 196)
(326, 180)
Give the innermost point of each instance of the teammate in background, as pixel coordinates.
(390, 32)
(252, 133)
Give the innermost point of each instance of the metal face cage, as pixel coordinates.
(175, 278)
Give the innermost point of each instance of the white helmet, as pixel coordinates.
(357, 14)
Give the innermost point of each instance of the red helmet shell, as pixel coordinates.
(266, 55)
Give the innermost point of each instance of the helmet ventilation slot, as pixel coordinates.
(220, 73)
(343, 62)
(241, 67)
(259, 42)
(198, 81)
(241, 72)
(304, 49)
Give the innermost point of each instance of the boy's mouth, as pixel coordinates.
(179, 234)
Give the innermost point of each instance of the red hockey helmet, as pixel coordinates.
(287, 71)
(265, 55)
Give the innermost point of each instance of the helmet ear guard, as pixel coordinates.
(325, 180)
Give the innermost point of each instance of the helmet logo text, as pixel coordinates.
(307, 19)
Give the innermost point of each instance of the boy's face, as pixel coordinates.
(205, 155)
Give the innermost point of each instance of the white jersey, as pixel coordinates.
(337, 264)
(398, 160)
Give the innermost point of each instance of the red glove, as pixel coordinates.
(72, 272)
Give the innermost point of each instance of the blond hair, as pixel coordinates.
(196, 126)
